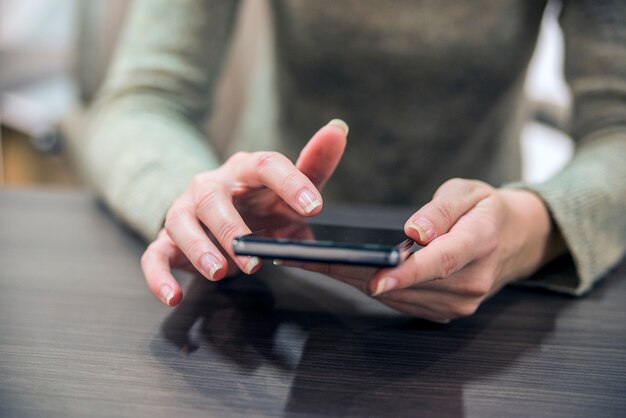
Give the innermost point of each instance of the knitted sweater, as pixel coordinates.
(431, 90)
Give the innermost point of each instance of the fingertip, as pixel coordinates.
(340, 124)
(309, 202)
(314, 209)
(320, 156)
(170, 296)
(213, 267)
(155, 264)
(383, 285)
(421, 230)
(175, 300)
(252, 265)
(219, 274)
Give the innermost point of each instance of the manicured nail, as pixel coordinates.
(308, 201)
(385, 285)
(210, 264)
(424, 228)
(340, 124)
(167, 294)
(252, 263)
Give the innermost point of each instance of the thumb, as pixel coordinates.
(451, 201)
(320, 156)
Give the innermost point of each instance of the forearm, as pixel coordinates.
(140, 154)
(143, 143)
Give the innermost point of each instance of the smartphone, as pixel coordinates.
(325, 243)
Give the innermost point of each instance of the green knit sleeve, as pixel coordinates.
(143, 142)
(587, 199)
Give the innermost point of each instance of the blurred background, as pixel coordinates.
(54, 55)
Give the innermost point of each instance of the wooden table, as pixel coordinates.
(80, 335)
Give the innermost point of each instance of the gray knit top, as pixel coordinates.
(431, 90)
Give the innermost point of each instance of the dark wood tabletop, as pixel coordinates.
(80, 335)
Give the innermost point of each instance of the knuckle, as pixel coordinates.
(227, 232)
(174, 215)
(289, 180)
(455, 182)
(443, 211)
(486, 241)
(197, 180)
(162, 235)
(449, 264)
(148, 258)
(145, 257)
(451, 185)
(492, 242)
(207, 198)
(458, 184)
(195, 249)
(479, 184)
(416, 273)
(475, 288)
(266, 158)
(205, 179)
(238, 157)
(461, 310)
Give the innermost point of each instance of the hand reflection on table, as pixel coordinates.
(341, 364)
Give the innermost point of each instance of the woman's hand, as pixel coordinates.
(477, 239)
(246, 192)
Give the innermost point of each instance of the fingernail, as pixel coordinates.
(340, 124)
(385, 285)
(308, 201)
(252, 263)
(167, 294)
(424, 228)
(210, 264)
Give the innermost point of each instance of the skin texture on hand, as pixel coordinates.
(247, 192)
(476, 240)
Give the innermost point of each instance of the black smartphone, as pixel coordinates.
(325, 243)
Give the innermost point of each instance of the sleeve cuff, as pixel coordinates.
(586, 203)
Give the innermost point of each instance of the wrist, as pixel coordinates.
(531, 226)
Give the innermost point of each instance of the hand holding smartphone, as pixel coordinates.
(325, 243)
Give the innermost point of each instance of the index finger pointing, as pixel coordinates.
(275, 171)
(320, 156)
